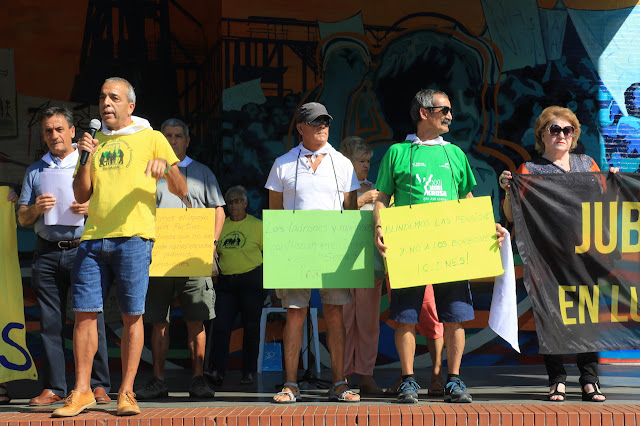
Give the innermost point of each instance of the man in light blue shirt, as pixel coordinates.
(53, 259)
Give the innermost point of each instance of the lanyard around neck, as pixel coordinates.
(295, 184)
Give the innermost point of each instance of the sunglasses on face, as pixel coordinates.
(236, 201)
(320, 121)
(554, 130)
(445, 110)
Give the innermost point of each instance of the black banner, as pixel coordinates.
(578, 236)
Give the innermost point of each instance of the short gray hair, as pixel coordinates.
(175, 122)
(423, 99)
(131, 93)
(237, 189)
(354, 147)
(56, 110)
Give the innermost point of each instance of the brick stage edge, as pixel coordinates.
(352, 414)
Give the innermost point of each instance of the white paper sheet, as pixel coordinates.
(503, 317)
(59, 183)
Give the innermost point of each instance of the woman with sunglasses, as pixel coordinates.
(557, 131)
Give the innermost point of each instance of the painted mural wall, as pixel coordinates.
(500, 61)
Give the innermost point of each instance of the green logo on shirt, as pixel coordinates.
(235, 239)
(114, 155)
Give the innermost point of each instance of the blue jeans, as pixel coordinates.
(50, 280)
(101, 262)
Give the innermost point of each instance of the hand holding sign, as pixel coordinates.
(440, 242)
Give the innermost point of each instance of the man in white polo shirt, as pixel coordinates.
(313, 176)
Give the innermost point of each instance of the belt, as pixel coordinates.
(62, 245)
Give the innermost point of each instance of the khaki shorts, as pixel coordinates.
(299, 298)
(196, 296)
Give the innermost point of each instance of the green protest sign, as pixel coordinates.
(318, 249)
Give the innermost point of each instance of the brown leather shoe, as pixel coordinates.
(101, 396)
(45, 398)
(75, 404)
(127, 405)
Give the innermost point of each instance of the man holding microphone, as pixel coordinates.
(118, 237)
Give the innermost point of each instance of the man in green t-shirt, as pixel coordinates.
(427, 169)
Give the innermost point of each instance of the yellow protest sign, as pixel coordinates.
(15, 361)
(184, 243)
(440, 242)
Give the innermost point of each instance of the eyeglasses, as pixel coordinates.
(236, 201)
(554, 130)
(320, 121)
(445, 110)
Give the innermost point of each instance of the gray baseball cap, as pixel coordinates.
(310, 111)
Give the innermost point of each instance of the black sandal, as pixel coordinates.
(556, 392)
(588, 397)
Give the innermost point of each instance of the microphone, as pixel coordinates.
(94, 126)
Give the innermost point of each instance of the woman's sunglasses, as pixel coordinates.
(554, 130)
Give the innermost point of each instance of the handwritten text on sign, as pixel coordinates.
(440, 242)
(184, 243)
(318, 249)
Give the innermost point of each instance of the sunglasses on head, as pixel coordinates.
(554, 130)
(320, 121)
(445, 110)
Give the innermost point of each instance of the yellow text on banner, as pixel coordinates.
(184, 243)
(440, 242)
(318, 249)
(15, 361)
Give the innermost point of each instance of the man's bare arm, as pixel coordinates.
(29, 214)
(381, 203)
(220, 216)
(276, 200)
(350, 200)
(82, 188)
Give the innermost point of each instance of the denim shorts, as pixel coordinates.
(99, 263)
(453, 303)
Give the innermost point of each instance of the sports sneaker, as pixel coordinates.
(200, 389)
(408, 392)
(127, 405)
(456, 391)
(75, 404)
(155, 388)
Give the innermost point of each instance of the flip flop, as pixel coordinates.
(292, 398)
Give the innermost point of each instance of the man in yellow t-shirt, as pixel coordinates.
(125, 161)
